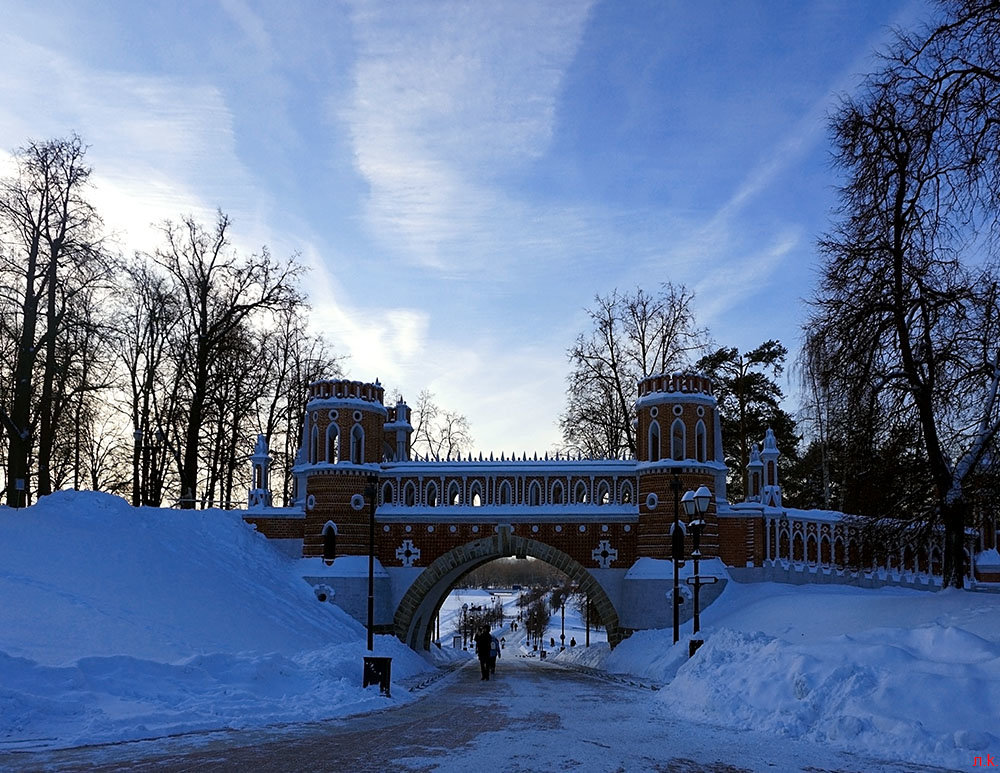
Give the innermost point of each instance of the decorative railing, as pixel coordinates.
(832, 540)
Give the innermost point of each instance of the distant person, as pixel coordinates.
(494, 654)
(572, 642)
(484, 644)
(552, 642)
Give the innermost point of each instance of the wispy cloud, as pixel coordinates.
(447, 98)
(159, 148)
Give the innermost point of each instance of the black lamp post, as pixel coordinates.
(370, 492)
(377, 670)
(676, 554)
(562, 636)
(696, 503)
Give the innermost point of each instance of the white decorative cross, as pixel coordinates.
(604, 554)
(407, 552)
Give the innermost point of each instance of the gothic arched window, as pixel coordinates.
(329, 541)
(700, 442)
(314, 445)
(678, 440)
(654, 441)
(332, 444)
(357, 444)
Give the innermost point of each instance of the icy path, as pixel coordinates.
(532, 717)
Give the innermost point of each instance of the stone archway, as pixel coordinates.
(421, 602)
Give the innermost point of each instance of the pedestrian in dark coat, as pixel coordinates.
(494, 654)
(484, 643)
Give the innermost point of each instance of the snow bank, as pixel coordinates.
(926, 695)
(894, 673)
(122, 622)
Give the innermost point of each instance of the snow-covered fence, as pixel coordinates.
(818, 546)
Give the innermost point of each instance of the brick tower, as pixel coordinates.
(677, 432)
(344, 439)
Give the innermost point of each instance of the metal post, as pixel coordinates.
(588, 620)
(675, 486)
(562, 636)
(696, 554)
(370, 490)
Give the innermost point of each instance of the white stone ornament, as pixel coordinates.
(604, 554)
(407, 552)
(652, 501)
(358, 502)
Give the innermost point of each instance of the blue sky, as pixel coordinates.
(462, 177)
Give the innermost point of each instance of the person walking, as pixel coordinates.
(494, 654)
(484, 644)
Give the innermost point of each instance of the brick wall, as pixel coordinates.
(741, 540)
(654, 525)
(434, 540)
(278, 528)
(332, 489)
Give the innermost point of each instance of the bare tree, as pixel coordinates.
(51, 254)
(218, 292)
(438, 433)
(293, 358)
(906, 319)
(633, 335)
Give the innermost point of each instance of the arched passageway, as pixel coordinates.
(420, 604)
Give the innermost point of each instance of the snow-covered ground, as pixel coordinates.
(895, 673)
(515, 641)
(122, 623)
(118, 623)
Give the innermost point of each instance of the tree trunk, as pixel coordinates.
(953, 514)
(192, 437)
(20, 412)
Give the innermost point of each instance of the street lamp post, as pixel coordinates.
(562, 636)
(377, 670)
(370, 491)
(676, 554)
(696, 503)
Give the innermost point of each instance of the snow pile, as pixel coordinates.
(895, 673)
(122, 623)
(924, 695)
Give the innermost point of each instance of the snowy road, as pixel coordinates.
(532, 717)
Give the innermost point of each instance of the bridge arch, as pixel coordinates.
(423, 599)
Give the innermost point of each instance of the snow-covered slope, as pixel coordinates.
(119, 622)
(894, 673)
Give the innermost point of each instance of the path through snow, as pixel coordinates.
(532, 717)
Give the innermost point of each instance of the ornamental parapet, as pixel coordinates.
(685, 383)
(346, 389)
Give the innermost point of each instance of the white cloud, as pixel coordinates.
(160, 147)
(510, 392)
(447, 97)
